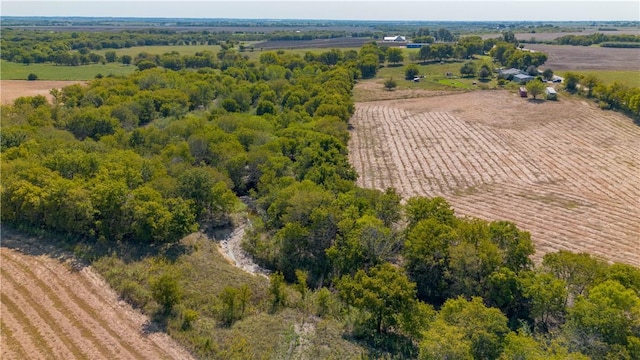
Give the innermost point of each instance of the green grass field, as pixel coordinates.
(15, 71)
(435, 77)
(159, 50)
(629, 78)
(255, 54)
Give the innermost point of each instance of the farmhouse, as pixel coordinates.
(509, 73)
(396, 38)
(522, 78)
(550, 93)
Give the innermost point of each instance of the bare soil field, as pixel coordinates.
(548, 36)
(567, 57)
(13, 89)
(564, 170)
(52, 308)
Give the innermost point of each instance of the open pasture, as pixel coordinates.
(49, 71)
(565, 171)
(162, 49)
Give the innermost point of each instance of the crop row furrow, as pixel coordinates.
(552, 159)
(576, 233)
(107, 322)
(415, 163)
(425, 152)
(422, 151)
(368, 148)
(570, 179)
(378, 145)
(389, 141)
(42, 318)
(80, 325)
(488, 152)
(31, 344)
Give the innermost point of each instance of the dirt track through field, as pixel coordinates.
(52, 311)
(565, 171)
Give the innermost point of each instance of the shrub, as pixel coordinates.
(484, 73)
(146, 64)
(134, 293)
(411, 72)
(390, 84)
(277, 291)
(188, 317)
(32, 77)
(166, 292)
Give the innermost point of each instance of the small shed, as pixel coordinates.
(550, 93)
(523, 91)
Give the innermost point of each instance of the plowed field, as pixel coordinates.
(49, 310)
(565, 171)
(13, 89)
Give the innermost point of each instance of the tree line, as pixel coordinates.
(78, 48)
(615, 96)
(591, 39)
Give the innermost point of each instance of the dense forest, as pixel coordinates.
(146, 159)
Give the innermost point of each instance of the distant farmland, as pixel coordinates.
(566, 57)
(311, 44)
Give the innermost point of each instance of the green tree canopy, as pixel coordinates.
(411, 71)
(383, 292)
(468, 68)
(535, 88)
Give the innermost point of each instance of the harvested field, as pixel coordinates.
(567, 57)
(13, 89)
(549, 36)
(52, 309)
(565, 171)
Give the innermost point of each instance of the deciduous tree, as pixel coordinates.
(411, 71)
(383, 292)
(395, 55)
(535, 88)
(468, 69)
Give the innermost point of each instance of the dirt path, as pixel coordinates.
(231, 248)
(565, 171)
(53, 308)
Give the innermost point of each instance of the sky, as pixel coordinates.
(427, 10)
